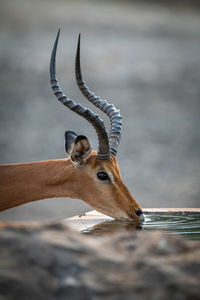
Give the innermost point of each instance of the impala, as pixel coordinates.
(92, 176)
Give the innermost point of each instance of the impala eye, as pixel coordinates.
(103, 176)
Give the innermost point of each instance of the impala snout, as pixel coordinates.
(124, 199)
(140, 214)
(129, 215)
(136, 215)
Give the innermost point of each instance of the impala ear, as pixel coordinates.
(77, 147)
(70, 138)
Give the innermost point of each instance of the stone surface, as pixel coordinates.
(39, 261)
(144, 58)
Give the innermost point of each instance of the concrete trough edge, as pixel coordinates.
(172, 211)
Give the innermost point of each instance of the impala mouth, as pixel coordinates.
(124, 216)
(140, 214)
(130, 218)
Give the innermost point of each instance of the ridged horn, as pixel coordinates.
(95, 120)
(103, 105)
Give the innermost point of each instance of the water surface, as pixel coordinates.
(185, 225)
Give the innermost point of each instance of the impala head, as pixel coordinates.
(97, 177)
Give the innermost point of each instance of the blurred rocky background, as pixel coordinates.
(144, 56)
(52, 262)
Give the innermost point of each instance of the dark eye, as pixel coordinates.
(103, 176)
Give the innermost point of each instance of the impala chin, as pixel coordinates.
(123, 216)
(127, 218)
(136, 219)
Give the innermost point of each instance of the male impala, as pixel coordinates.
(92, 176)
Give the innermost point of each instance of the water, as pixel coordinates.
(185, 225)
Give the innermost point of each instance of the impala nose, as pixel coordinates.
(139, 213)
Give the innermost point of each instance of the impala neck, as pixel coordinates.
(23, 183)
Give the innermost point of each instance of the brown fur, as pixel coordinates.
(22, 183)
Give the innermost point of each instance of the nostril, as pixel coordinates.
(138, 212)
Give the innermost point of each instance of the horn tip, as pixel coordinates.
(79, 39)
(58, 34)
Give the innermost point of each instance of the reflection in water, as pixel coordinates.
(186, 225)
(113, 226)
